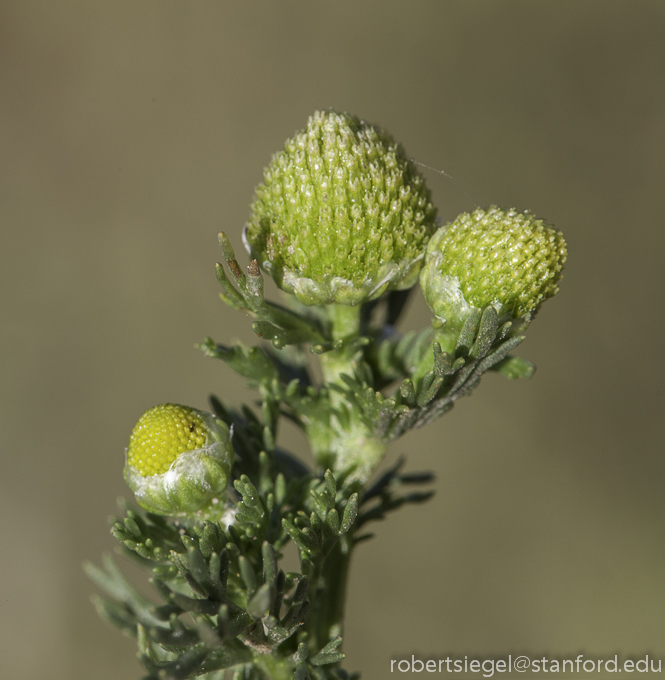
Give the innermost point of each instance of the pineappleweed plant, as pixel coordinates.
(345, 226)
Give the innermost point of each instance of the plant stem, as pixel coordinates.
(344, 321)
(326, 617)
(344, 325)
(328, 587)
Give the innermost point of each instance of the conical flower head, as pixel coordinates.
(179, 461)
(502, 258)
(342, 215)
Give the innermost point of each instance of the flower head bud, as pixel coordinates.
(342, 215)
(502, 258)
(179, 461)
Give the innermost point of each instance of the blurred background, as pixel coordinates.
(131, 133)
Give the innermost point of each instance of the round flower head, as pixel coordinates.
(178, 461)
(342, 215)
(502, 258)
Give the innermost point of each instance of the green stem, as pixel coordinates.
(348, 446)
(329, 581)
(344, 321)
(344, 325)
(328, 596)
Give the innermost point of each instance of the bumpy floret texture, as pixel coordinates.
(161, 435)
(501, 257)
(341, 203)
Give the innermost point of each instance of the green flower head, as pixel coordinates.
(502, 258)
(179, 461)
(342, 215)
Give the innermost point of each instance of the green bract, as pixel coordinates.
(178, 462)
(502, 258)
(343, 215)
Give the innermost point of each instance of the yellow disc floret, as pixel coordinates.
(161, 435)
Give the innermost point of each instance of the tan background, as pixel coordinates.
(131, 132)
